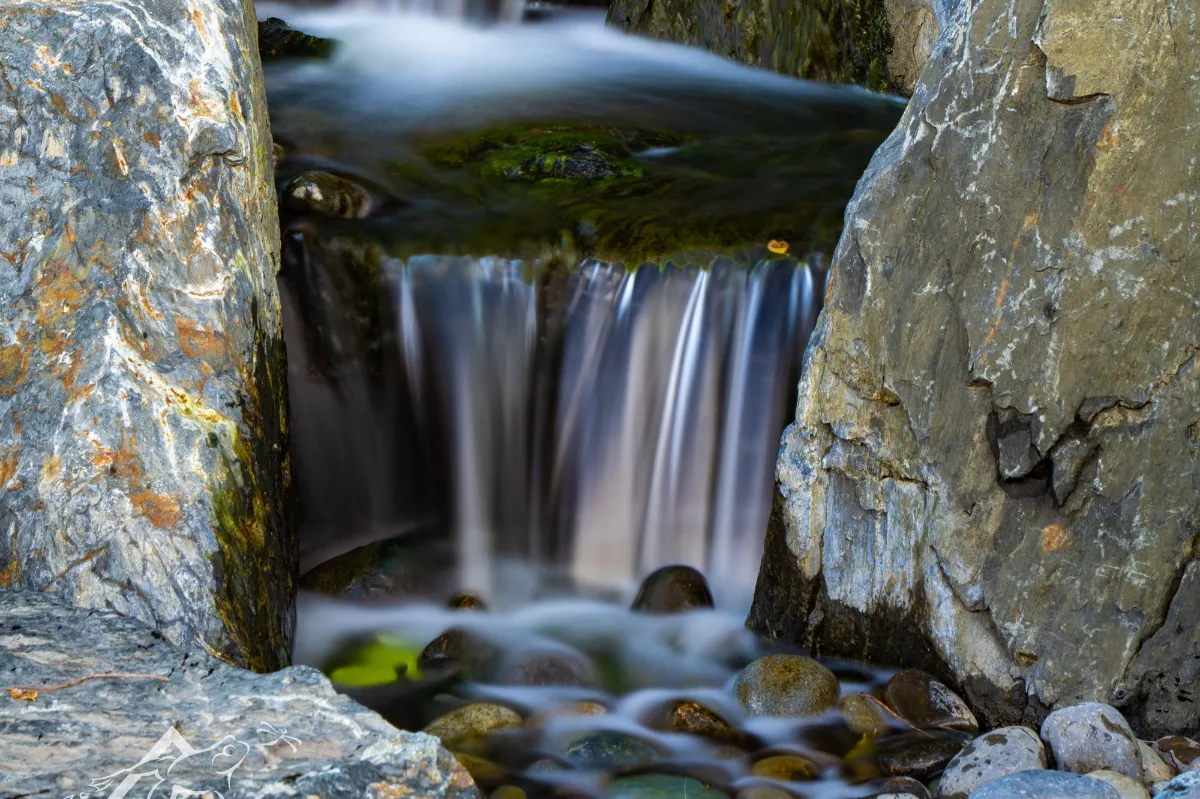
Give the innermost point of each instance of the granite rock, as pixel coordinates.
(996, 754)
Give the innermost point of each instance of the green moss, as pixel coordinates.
(380, 660)
(278, 40)
(255, 562)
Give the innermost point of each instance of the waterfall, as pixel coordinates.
(630, 422)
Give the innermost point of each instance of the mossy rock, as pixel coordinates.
(278, 40)
(378, 660)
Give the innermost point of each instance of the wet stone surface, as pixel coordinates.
(922, 701)
(673, 589)
(785, 685)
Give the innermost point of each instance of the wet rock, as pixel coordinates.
(694, 718)
(610, 750)
(919, 755)
(1180, 752)
(413, 564)
(508, 792)
(785, 685)
(1007, 750)
(278, 40)
(459, 648)
(582, 162)
(661, 786)
(1127, 788)
(485, 773)
(547, 668)
(298, 736)
(1185, 786)
(327, 194)
(789, 768)
(1045, 785)
(673, 589)
(1092, 737)
(461, 726)
(903, 788)
(926, 703)
(465, 601)
(895, 537)
(143, 434)
(1154, 767)
(866, 715)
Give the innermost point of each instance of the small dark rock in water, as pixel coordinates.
(990, 756)
(919, 755)
(1178, 751)
(789, 768)
(414, 563)
(928, 704)
(609, 750)
(785, 685)
(547, 668)
(903, 788)
(1045, 785)
(866, 715)
(585, 163)
(694, 718)
(673, 589)
(465, 601)
(1090, 737)
(457, 648)
(327, 194)
(661, 786)
(278, 40)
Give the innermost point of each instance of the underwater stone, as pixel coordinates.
(785, 685)
(661, 786)
(143, 414)
(920, 755)
(610, 750)
(472, 721)
(895, 538)
(673, 589)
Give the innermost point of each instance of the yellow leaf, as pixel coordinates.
(777, 246)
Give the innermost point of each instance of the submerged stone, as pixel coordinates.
(789, 768)
(457, 648)
(143, 437)
(673, 589)
(610, 750)
(926, 703)
(694, 718)
(661, 786)
(866, 715)
(547, 668)
(785, 685)
(461, 726)
(921, 755)
(989, 757)
(903, 788)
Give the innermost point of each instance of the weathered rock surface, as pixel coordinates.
(143, 422)
(1091, 737)
(1185, 786)
(999, 753)
(1046, 785)
(994, 466)
(881, 44)
(286, 734)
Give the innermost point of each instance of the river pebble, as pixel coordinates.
(1154, 768)
(1091, 737)
(472, 721)
(924, 702)
(1045, 785)
(673, 589)
(661, 786)
(785, 685)
(1127, 787)
(996, 754)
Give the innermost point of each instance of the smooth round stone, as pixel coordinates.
(1045, 785)
(661, 786)
(609, 750)
(919, 755)
(456, 647)
(866, 715)
(785, 685)
(925, 703)
(788, 768)
(903, 788)
(547, 668)
(1185, 786)
(694, 718)
(1127, 787)
(673, 589)
(1092, 737)
(327, 194)
(472, 721)
(1154, 768)
(1007, 750)
(484, 772)
(464, 601)
(1182, 753)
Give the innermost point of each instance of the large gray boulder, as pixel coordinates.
(142, 414)
(994, 469)
(91, 702)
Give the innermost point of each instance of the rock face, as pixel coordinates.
(994, 466)
(142, 415)
(284, 734)
(881, 44)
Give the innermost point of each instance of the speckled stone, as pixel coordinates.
(472, 721)
(298, 737)
(785, 685)
(1007, 750)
